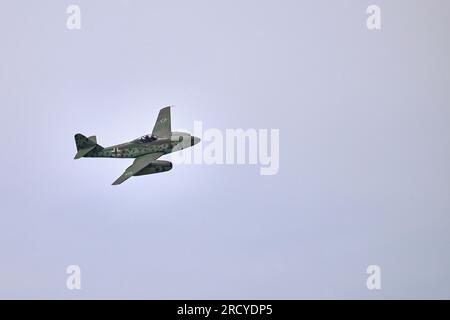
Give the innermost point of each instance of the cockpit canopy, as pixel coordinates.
(147, 138)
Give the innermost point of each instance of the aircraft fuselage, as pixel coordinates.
(140, 146)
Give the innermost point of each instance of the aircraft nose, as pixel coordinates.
(194, 140)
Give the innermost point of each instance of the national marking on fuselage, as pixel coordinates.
(145, 150)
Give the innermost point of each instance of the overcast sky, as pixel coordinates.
(364, 173)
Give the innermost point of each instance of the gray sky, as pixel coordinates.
(364, 149)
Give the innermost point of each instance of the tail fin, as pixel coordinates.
(85, 145)
(163, 127)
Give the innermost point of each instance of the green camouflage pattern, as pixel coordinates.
(146, 149)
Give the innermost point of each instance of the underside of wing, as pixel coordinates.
(138, 165)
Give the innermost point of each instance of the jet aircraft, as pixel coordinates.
(146, 149)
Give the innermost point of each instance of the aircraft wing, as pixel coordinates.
(163, 127)
(138, 164)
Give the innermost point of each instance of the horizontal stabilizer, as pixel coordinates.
(82, 152)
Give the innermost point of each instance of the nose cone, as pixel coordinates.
(194, 140)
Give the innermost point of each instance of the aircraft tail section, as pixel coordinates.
(85, 145)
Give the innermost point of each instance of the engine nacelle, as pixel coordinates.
(155, 167)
